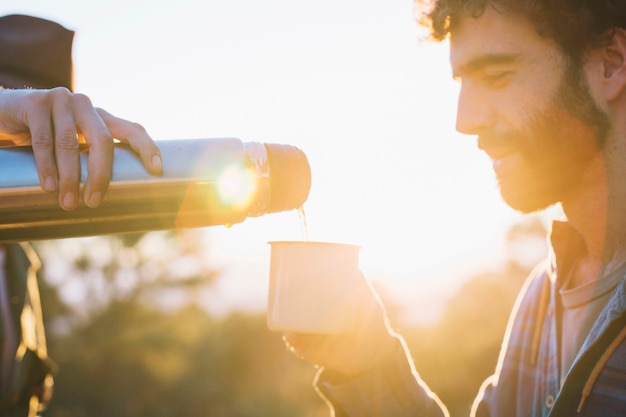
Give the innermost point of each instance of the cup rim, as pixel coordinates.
(312, 243)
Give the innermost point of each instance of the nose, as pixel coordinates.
(473, 115)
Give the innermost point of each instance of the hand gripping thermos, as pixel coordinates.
(205, 182)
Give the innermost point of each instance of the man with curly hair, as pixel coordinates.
(543, 87)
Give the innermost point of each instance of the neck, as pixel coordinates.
(596, 209)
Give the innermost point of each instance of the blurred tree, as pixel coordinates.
(167, 268)
(134, 361)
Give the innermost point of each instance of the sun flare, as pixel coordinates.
(237, 186)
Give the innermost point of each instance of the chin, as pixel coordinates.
(526, 205)
(527, 198)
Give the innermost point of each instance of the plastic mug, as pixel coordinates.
(312, 286)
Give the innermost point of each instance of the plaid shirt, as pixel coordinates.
(527, 381)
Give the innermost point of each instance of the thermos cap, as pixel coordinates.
(290, 177)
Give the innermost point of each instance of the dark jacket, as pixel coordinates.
(31, 375)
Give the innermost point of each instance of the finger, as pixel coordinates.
(293, 344)
(100, 144)
(297, 340)
(37, 114)
(66, 148)
(308, 346)
(288, 340)
(136, 136)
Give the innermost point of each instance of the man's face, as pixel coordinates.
(529, 106)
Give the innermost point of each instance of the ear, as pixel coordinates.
(613, 60)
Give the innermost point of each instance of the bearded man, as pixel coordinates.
(543, 87)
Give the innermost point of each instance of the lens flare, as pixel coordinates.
(237, 186)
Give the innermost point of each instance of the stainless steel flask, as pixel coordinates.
(205, 182)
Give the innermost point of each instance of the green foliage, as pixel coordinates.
(91, 273)
(135, 361)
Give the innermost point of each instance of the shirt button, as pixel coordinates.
(549, 401)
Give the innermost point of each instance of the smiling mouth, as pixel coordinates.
(502, 157)
(503, 161)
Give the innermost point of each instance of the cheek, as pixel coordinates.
(522, 108)
(561, 145)
(539, 84)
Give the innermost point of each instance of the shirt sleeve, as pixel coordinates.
(391, 389)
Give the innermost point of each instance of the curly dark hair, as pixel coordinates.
(575, 25)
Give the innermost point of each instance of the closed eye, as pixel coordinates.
(496, 79)
(493, 70)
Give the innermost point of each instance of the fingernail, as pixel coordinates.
(69, 201)
(94, 199)
(49, 184)
(157, 163)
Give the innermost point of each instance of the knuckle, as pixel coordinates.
(100, 137)
(105, 115)
(105, 137)
(60, 93)
(67, 141)
(103, 140)
(81, 99)
(97, 134)
(138, 126)
(41, 140)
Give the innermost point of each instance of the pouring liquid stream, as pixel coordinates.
(303, 225)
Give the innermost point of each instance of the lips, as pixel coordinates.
(505, 165)
(503, 158)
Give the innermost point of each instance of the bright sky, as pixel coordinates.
(348, 82)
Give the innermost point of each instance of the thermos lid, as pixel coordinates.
(290, 177)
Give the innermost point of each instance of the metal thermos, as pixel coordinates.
(205, 182)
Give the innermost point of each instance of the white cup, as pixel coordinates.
(312, 287)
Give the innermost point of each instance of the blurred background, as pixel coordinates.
(172, 323)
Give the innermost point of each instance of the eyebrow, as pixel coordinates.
(483, 61)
